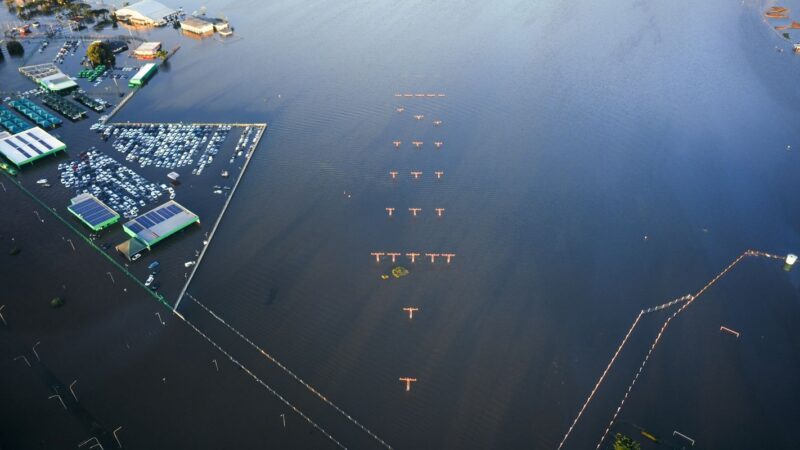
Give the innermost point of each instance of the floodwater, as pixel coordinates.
(599, 157)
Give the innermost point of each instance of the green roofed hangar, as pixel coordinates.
(154, 226)
(144, 74)
(92, 212)
(57, 83)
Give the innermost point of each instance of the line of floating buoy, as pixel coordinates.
(413, 256)
(666, 324)
(688, 299)
(418, 95)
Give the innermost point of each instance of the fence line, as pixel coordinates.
(261, 382)
(686, 300)
(290, 373)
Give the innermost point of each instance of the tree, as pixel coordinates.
(15, 48)
(99, 52)
(622, 442)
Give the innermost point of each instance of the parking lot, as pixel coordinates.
(169, 146)
(117, 186)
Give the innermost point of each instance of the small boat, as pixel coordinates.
(149, 280)
(224, 174)
(189, 263)
(41, 181)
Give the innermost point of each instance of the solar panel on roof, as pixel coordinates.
(18, 148)
(145, 221)
(80, 207)
(153, 217)
(44, 144)
(92, 211)
(174, 208)
(135, 227)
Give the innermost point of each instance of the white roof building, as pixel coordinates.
(29, 145)
(146, 12)
(57, 82)
(147, 49)
(198, 26)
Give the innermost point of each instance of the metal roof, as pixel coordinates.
(146, 9)
(57, 82)
(29, 145)
(148, 47)
(160, 222)
(92, 211)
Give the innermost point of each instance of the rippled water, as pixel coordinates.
(599, 157)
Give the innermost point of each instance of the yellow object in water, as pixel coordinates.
(399, 271)
(384, 277)
(649, 436)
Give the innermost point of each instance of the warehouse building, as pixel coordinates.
(196, 26)
(142, 75)
(27, 146)
(147, 13)
(154, 226)
(148, 50)
(92, 212)
(57, 83)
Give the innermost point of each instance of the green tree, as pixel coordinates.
(622, 442)
(99, 52)
(15, 48)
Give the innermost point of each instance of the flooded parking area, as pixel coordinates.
(117, 186)
(169, 146)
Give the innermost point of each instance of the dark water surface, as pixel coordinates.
(599, 157)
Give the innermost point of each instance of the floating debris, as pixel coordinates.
(399, 272)
(777, 12)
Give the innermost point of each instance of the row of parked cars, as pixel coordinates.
(122, 189)
(168, 146)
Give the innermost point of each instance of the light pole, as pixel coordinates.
(117, 437)
(59, 399)
(22, 357)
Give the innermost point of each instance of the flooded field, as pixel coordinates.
(595, 161)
